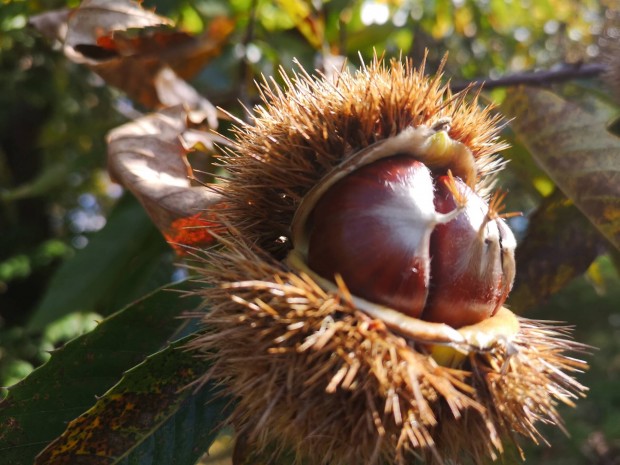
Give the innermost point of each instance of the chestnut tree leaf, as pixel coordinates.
(308, 22)
(172, 90)
(574, 148)
(560, 245)
(121, 262)
(150, 417)
(128, 45)
(96, 18)
(52, 24)
(148, 157)
(37, 409)
(132, 64)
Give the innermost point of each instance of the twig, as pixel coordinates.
(537, 78)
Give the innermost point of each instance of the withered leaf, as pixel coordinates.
(94, 19)
(52, 24)
(132, 65)
(128, 46)
(172, 90)
(574, 148)
(148, 157)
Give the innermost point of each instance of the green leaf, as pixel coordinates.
(38, 408)
(309, 24)
(522, 173)
(49, 178)
(614, 127)
(559, 246)
(149, 418)
(573, 146)
(122, 262)
(368, 37)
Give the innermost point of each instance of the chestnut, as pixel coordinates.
(373, 228)
(469, 283)
(405, 238)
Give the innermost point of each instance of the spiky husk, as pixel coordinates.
(302, 132)
(310, 371)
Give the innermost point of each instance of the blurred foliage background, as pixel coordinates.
(74, 247)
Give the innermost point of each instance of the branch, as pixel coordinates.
(537, 78)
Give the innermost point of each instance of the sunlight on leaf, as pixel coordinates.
(172, 90)
(309, 24)
(147, 156)
(95, 18)
(52, 24)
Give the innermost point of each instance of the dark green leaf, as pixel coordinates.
(367, 38)
(560, 245)
(614, 127)
(38, 408)
(122, 262)
(149, 418)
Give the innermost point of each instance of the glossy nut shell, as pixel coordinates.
(349, 233)
(466, 253)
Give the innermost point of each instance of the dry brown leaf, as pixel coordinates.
(52, 24)
(172, 90)
(126, 45)
(147, 156)
(134, 68)
(94, 19)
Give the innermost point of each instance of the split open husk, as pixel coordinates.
(321, 372)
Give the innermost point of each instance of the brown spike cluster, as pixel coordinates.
(301, 133)
(337, 378)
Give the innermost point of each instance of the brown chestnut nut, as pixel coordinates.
(373, 228)
(428, 247)
(471, 259)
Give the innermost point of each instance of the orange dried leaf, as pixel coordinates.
(147, 157)
(128, 46)
(194, 231)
